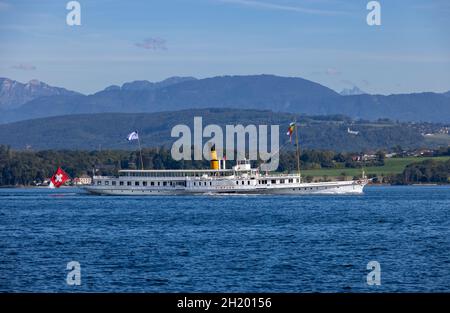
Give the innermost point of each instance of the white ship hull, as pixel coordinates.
(241, 179)
(330, 188)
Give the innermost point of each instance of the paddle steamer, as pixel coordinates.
(240, 179)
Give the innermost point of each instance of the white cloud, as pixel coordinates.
(24, 67)
(332, 71)
(281, 7)
(152, 44)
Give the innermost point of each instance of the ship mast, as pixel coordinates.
(140, 152)
(297, 151)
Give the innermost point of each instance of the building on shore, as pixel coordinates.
(82, 180)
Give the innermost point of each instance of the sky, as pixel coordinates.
(326, 41)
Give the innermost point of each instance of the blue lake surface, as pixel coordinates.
(226, 243)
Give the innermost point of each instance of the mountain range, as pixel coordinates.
(13, 94)
(260, 92)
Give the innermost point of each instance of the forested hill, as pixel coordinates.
(108, 130)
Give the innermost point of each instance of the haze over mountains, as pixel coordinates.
(261, 92)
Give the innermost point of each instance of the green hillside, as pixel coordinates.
(391, 166)
(108, 131)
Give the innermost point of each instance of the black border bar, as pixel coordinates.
(284, 302)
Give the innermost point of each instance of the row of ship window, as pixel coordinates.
(144, 183)
(176, 174)
(182, 183)
(274, 181)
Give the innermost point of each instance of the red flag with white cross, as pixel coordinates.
(59, 178)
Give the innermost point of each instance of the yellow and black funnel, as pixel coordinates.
(214, 161)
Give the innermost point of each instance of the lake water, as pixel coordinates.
(226, 243)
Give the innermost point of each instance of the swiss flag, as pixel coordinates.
(59, 178)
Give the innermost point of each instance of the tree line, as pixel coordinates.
(18, 167)
(428, 171)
